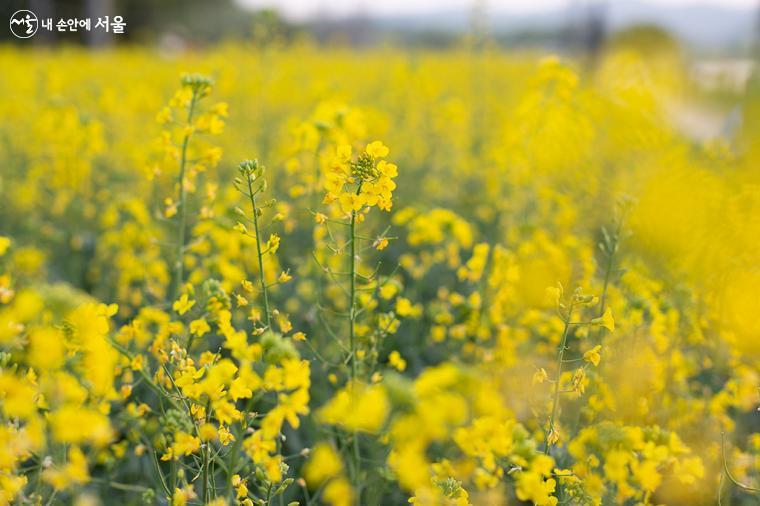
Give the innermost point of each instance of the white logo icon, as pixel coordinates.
(24, 24)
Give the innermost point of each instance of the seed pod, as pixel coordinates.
(285, 484)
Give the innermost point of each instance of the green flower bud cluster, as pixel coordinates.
(364, 168)
(200, 84)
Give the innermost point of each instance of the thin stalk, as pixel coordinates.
(352, 292)
(173, 480)
(206, 454)
(182, 202)
(160, 474)
(727, 472)
(608, 269)
(269, 495)
(352, 296)
(262, 281)
(607, 272)
(560, 355)
(232, 463)
(610, 260)
(121, 486)
(352, 339)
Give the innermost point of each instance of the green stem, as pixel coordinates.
(607, 272)
(727, 472)
(560, 355)
(352, 342)
(269, 495)
(610, 260)
(206, 453)
(121, 486)
(173, 480)
(352, 295)
(608, 269)
(179, 267)
(262, 281)
(232, 462)
(162, 480)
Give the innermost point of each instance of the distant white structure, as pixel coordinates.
(724, 74)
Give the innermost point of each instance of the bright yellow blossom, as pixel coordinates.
(593, 356)
(183, 304)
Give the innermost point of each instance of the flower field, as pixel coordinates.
(321, 276)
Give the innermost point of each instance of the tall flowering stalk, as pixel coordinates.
(265, 443)
(194, 88)
(199, 86)
(252, 173)
(565, 310)
(357, 184)
(551, 433)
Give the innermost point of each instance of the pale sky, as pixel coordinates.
(307, 8)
